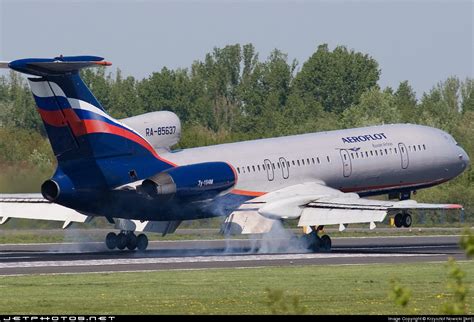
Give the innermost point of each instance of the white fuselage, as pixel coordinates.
(365, 160)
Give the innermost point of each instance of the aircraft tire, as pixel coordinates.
(111, 240)
(131, 241)
(398, 220)
(142, 242)
(326, 243)
(315, 245)
(407, 220)
(121, 241)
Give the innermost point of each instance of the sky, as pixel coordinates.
(421, 41)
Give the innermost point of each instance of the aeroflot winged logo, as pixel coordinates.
(363, 138)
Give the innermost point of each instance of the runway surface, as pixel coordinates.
(26, 259)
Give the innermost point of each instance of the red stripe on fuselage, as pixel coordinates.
(358, 189)
(61, 118)
(96, 126)
(399, 185)
(247, 193)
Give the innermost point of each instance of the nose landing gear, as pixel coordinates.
(126, 239)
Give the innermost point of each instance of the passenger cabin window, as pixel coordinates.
(258, 167)
(248, 168)
(312, 159)
(424, 147)
(293, 162)
(317, 159)
(302, 161)
(327, 157)
(298, 161)
(253, 167)
(238, 169)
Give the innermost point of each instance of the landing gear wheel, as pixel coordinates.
(326, 243)
(111, 240)
(121, 241)
(398, 220)
(142, 242)
(407, 220)
(132, 241)
(315, 242)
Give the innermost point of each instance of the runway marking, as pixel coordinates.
(15, 257)
(196, 259)
(395, 247)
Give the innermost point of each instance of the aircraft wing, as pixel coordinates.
(316, 204)
(34, 206)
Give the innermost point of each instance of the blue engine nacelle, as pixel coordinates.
(200, 180)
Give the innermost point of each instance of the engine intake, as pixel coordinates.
(200, 180)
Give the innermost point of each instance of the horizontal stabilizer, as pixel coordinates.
(56, 66)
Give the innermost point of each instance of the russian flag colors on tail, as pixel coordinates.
(79, 128)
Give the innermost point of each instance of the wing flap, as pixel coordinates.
(321, 216)
(247, 220)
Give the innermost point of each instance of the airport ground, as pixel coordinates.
(217, 276)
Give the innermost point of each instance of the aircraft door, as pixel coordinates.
(284, 168)
(404, 155)
(346, 163)
(270, 170)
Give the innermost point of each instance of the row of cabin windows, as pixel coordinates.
(308, 161)
(385, 151)
(280, 165)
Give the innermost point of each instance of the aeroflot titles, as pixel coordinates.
(363, 138)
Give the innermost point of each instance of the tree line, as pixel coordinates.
(232, 94)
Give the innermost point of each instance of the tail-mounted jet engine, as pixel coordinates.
(200, 181)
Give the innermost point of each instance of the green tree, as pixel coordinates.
(337, 79)
(375, 107)
(405, 101)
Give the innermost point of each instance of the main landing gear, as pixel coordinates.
(317, 243)
(126, 239)
(403, 220)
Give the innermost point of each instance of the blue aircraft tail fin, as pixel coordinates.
(77, 125)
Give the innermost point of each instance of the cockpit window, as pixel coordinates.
(450, 138)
